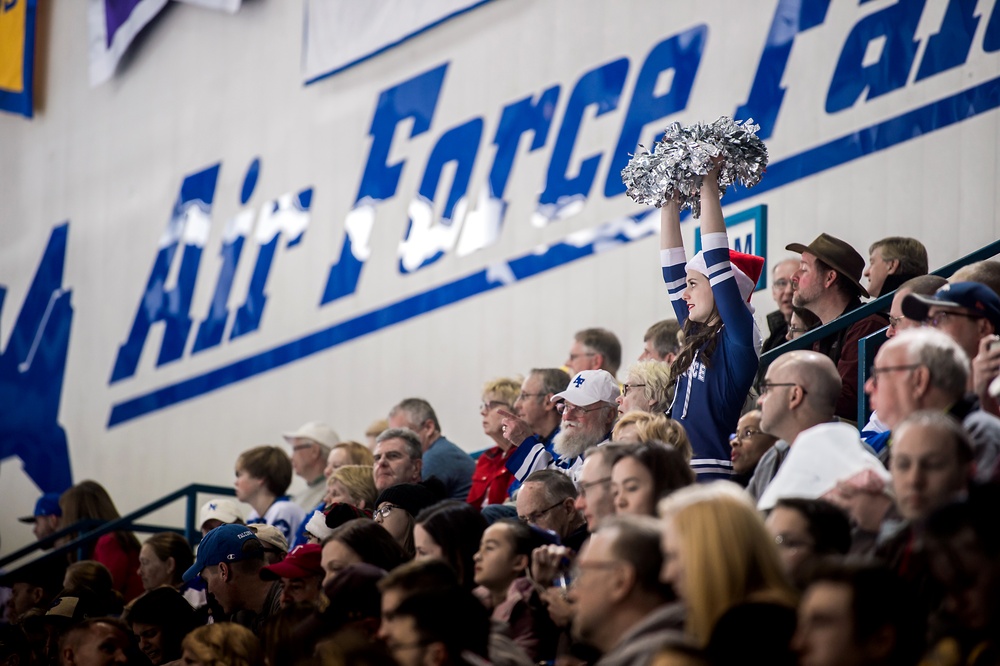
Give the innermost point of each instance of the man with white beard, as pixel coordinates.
(588, 414)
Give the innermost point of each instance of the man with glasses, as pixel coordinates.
(536, 418)
(588, 411)
(547, 499)
(749, 444)
(620, 607)
(311, 445)
(874, 432)
(924, 369)
(595, 349)
(800, 391)
(966, 311)
(782, 290)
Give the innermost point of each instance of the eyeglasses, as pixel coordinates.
(942, 316)
(564, 407)
(580, 567)
(628, 387)
(894, 322)
(383, 511)
(534, 516)
(747, 433)
(767, 387)
(875, 372)
(492, 404)
(781, 284)
(522, 395)
(797, 329)
(585, 487)
(573, 357)
(300, 447)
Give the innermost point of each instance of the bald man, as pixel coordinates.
(800, 391)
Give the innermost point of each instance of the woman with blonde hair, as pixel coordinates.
(491, 480)
(647, 388)
(351, 484)
(222, 644)
(724, 566)
(644, 427)
(347, 453)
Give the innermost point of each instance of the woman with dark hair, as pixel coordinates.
(396, 507)
(90, 580)
(118, 551)
(805, 531)
(718, 361)
(500, 570)
(646, 473)
(160, 619)
(359, 541)
(801, 322)
(450, 531)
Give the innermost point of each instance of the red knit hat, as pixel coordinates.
(746, 268)
(750, 266)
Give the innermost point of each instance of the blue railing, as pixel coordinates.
(869, 345)
(88, 531)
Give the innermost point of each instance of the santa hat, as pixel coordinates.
(746, 267)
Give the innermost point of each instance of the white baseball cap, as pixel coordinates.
(317, 432)
(224, 510)
(588, 387)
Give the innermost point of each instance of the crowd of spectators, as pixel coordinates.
(708, 509)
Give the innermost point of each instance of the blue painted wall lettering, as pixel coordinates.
(425, 242)
(745, 244)
(991, 40)
(680, 53)
(414, 99)
(766, 94)
(190, 222)
(212, 328)
(600, 88)
(895, 27)
(288, 216)
(950, 46)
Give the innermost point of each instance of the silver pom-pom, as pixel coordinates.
(678, 161)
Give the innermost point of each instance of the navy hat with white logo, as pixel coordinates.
(223, 544)
(974, 296)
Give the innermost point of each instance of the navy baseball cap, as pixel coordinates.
(973, 296)
(47, 505)
(223, 544)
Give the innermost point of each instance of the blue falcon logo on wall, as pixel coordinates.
(32, 367)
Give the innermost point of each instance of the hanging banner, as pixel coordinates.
(113, 24)
(343, 33)
(17, 55)
(231, 6)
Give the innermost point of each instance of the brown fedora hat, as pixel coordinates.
(838, 255)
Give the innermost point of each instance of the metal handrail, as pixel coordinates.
(89, 531)
(868, 346)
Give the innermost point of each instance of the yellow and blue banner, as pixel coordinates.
(17, 55)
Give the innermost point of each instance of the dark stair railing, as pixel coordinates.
(89, 531)
(869, 346)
